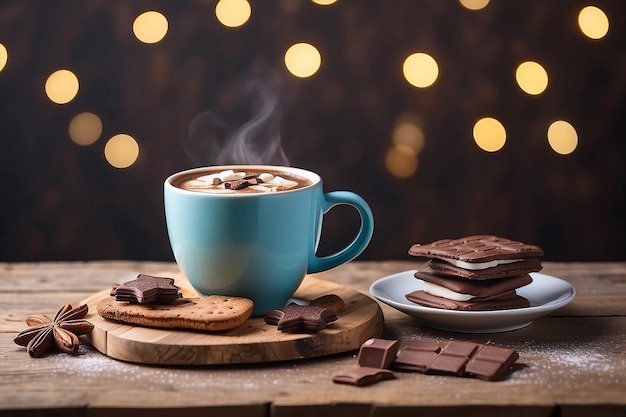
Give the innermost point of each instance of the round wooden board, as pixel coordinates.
(253, 342)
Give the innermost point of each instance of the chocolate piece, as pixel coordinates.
(417, 356)
(360, 376)
(447, 365)
(506, 302)
(297, 318)
(241, 184)
(147, 289)
(378, 353)
(330, 301)
(414, 360)
(491, 363)
(424, 345)
(430, 357)
(522, 267)
(458, 359)
(456, 348)
(477, 249)
(484, 289)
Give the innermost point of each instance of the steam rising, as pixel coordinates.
(246, 130)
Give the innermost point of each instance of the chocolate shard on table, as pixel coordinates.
(331, 301)
(475, 273)
(362, 375)
(147, 289)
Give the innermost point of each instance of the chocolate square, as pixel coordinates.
(414, 360)
(457, 348)
(448, 365)
(378, 353)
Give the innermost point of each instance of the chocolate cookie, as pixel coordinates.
(147, 289)
(505, 302)
(300, 318)
(512, 269)
(477, 289)
(311, 317)
(480, 251)
(213, 313)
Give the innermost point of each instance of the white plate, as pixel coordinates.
(546, 294)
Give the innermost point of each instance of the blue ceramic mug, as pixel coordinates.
(256, 245)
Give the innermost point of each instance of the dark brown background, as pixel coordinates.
(60, 201)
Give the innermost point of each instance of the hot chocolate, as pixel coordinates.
(241, 181)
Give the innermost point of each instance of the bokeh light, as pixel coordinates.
(303, 60)
(85, 128)
(531, 77)
(474, 4)
(401, 161)
(562, 137)
(593, 22)
(324, 2)
(420, 70)
(4, 56)
(62, 86)
(233, 13)
(121, 151)
(408, 133)
(150, 27)
(489, 134)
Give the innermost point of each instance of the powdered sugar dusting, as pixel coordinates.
(569, 365)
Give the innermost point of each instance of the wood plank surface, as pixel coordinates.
(572, 362)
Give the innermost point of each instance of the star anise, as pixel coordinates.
(63, 331)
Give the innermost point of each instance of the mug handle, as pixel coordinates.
(361, 240)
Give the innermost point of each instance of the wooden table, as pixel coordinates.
(573, 361)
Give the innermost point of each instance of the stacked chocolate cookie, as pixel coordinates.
(475, 273)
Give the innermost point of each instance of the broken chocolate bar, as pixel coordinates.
(457, 358)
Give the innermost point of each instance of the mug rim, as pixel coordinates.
(310, 175)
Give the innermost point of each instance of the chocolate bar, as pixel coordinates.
(458, 358)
